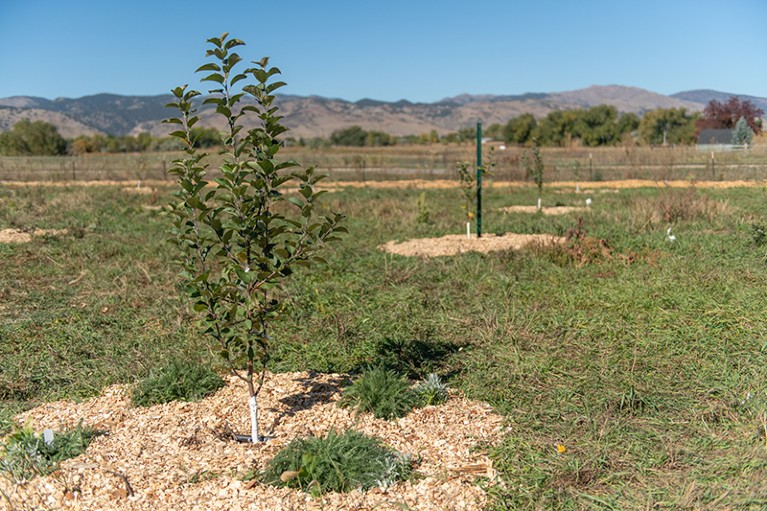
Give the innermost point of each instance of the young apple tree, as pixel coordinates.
(534, 167)
(242, 236)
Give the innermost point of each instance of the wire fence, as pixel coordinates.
(422, 162)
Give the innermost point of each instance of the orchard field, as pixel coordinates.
(631, 370)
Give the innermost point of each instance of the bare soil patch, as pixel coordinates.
(25, 236)
(173, 456)
(454, 244)
(143, 190)
(558, 210)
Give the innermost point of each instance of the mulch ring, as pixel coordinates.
(176, 455)
(558, 210)
(454, 244)
(26, 235)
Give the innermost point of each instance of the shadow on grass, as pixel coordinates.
(415, 358)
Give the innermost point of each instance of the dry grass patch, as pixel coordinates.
(675, 205)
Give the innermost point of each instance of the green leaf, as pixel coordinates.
(296, 201)
(212, 66)
(214, 77)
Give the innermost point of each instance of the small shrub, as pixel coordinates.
(339, 463)
(176, 381)
(26, 455)
(431, 391)
(381, 391)
(758, 234)
(578, 249)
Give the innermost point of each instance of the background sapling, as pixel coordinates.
(467, 181)
(534, 168)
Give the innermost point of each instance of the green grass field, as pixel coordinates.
(646, 360)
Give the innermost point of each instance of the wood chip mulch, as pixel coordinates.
(26, 235)
(454, 244)
(558, 210)
(176, 456)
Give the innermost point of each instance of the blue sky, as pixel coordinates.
(399, 49)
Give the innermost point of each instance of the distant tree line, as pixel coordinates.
(39, 138)
(601, 125)
(597, 126)
(33, 138)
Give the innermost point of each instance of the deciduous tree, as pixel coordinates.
(669, 125)
(32, 138)
(725, 115)
(519, 130)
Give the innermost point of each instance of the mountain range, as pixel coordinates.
(310, 116)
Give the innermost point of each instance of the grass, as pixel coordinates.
(382, 392)
(178, 380)
(637, 361)
(339, 462)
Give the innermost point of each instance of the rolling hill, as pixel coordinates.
(309, 116)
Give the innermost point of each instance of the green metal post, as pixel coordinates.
(479, 180)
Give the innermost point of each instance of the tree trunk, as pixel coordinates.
(254, 438)
(253, 405)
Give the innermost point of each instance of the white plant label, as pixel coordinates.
(48, 436)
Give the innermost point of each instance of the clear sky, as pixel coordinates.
(396, 49)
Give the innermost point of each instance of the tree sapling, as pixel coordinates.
(467, 181)
(534, 167)
(239, 240)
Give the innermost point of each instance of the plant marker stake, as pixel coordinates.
(468, 230)
(48, 436)
(479, 180)
(253, 420)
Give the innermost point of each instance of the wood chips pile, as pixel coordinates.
(25, 235)
(174, 456)
(454, 244)
(558, 210)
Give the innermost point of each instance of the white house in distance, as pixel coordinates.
(717, 140)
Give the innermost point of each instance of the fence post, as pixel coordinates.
(479, 180)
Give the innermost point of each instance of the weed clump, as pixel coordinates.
(177, 381)
(758, 234)
(381, 391)
(26, 455)
(388, 395)
(337, 463)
